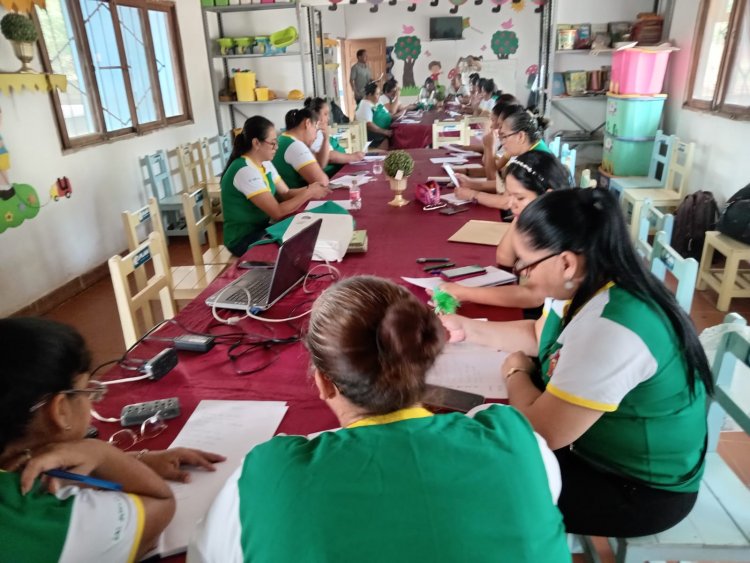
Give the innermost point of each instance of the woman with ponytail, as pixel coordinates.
(331, 156)
(294, 160)
(619, 389)
(395, 482)
(252, 191)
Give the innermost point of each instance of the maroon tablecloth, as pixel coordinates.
(416, 135)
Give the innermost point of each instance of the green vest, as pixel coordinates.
(291, 177)
(540, 145)
(656, 434)
(381, 117)
(442, 488)
(241, 216)
(33, 527)
(331, 169)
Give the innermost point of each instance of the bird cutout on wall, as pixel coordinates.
(407, 29)
(539, 5)
(375, 4)
(427, 53)
(483, 48)
(518, 5)
(507, 24)
(456, 4)
(498, 4)
(333, 6)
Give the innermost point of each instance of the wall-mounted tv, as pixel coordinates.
(450, 28)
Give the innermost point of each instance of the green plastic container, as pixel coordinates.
(627, 157)
(207, 2)
(221, 2)
(634, 117)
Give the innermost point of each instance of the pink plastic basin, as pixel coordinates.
(637, 71)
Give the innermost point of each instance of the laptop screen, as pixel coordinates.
(294, 260)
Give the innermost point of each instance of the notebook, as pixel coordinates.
(481, 232)
(265, 286)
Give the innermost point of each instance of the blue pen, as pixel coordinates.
(85, 479)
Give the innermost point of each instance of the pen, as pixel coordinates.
(423, 260)
(85, 479)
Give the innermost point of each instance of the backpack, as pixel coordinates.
(696, 214)
(734, 220)
(337, 114)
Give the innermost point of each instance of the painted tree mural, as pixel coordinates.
(407, 49)
(504, 43)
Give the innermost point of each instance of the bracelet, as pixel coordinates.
(511, 371)
(475, 197)
(139, 455)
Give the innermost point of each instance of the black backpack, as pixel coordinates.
(735, 219)
(696, 214)
(337, 114)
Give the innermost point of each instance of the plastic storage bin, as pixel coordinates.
(244, 82)
(638, 71)
(262, 94)
(634, 116)
(626, 157)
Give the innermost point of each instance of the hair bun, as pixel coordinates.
(409, 331)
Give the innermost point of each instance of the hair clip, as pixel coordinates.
(529, 169)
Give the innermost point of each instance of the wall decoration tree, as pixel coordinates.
(407, 49)
(504, 43)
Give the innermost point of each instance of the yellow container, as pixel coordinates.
(244, 82)
(261, 94)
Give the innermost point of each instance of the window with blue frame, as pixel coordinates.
(123, 62)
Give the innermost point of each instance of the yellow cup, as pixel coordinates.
(244, 82)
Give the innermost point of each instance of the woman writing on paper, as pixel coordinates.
(376, 117)
(620, 388)
(331, 156)
(526, 178)
(294, 161)
(45, 408)
(371, 344)
(252, 192)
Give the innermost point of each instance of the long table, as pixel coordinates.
(416, 135)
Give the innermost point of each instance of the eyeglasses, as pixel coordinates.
(95, 389)
(273, 144)
(503, 137)
(524, 270)
(150, 428)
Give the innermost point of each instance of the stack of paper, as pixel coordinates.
(348, 180)
(493, 276)
(448, 160)
(374, 157)
(358, 243)
(471, 368)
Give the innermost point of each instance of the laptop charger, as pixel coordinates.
(193, 343)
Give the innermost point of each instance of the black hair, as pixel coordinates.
(489, 86)
(508, 109)
(390, 85)
(361, 52)
(315, 105)
(371, 88)
(480, 83)
(530, 123)
(428, 81)
(40, 358)
(590, 223)
(474, 78)
(256, 127)
(294, 118)
(538, 171)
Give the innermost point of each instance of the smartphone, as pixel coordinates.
(451, 174)
(249, 264)
(445, 399)
(453, 210)
(454, 274)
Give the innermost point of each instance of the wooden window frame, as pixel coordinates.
(102, 136)
(718, 105)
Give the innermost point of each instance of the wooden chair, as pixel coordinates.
(156, 172)
(130, 304)
(358, 132)
(670, 195)
(657, 170)
(343, 136)
(449, 133)
(685, 270)
(718, 527)
(202, 149)
(219, 149)
(476, 126)
(187, 281)
(652, 219)
(187, 165)
(199, 202)
(730, 281)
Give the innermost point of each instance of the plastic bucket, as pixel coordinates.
(627, 157)
(244, 82)
(638, 71)
(244, 45)
(261, 94)
(226, 45)
(634, 116)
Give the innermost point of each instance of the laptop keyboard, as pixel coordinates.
(258, 288)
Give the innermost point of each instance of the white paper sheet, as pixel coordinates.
(345, 203)
(346, 181)
(408, 121)
(374, 157)
(229, 428)
(453, 200)
(448, 160)
(472, 368)
(494, 276)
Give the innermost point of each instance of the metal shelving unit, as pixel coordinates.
(304, 17)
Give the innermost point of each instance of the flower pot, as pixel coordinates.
(398, 187)
(24, 51)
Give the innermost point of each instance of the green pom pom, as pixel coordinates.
(445, 303)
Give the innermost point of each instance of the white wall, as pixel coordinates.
(721, 164)
(70, 237)
(388, 22)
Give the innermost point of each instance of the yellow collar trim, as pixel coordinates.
(395, 416)
(535, 145)
(261, 169)
(603, 288)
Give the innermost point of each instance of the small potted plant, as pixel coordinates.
(398, 166)
(22, 34)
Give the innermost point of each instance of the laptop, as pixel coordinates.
(267, 285)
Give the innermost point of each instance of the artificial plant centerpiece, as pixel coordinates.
(22, 33)
(398, 166)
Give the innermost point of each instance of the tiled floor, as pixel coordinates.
(94, 313)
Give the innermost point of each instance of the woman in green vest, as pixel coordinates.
(294, 160)
(376, 117)
(395, 483)
(327, 150)
(46, 396)
(619, 390)
(252, 192)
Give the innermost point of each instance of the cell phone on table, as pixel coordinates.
(454, 274)
(452, 210)
(439, 398)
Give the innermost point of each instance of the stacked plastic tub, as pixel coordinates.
(634, 109)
